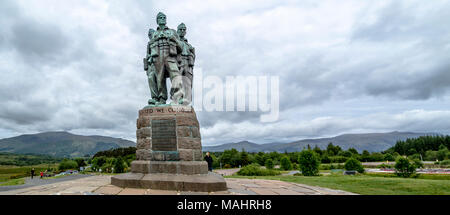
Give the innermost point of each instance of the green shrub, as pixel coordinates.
(353, 164)
(286, 163)
(404, 168)
(256, 170)
(295, 166)
(384, 166)
(337, 166)
(443, 153)
(388, 157)
(414, 156)
(325, 167)
(444, 163)
(80, 162)
(325, 159)
(119, 166)
(418, 163)
(269, 164)
(309, 163)
(338, 159)
(67, 164)
(98, 162)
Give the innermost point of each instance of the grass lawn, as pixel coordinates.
(369, 185)
(12, 182)
(9, 173)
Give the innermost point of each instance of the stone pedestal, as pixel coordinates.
(169, 153)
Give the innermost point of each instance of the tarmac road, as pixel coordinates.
(36, 181)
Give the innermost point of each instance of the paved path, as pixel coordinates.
(36, 181)
(100, 185)
(227, 171)
(82, 185)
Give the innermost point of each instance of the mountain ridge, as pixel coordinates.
(372, 142)
(61, 144)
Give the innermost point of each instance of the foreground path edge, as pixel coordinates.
(100, 185)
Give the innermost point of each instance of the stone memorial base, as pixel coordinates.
(168, 153)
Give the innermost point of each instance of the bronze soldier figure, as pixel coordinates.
(164, 47)
(152, 75)
(186, 60)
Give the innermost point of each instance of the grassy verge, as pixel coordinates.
(419, 176)
(368, 184)
(13, 182)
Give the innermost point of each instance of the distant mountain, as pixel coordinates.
(248, 146)
(372, 142)
(61, 144)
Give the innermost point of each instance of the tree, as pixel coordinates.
(309, 163)
(259, 159)
(216, 162)
(324, 158)
(230, 157)
(353, 164)
(345, 154)
(119, 165)
(317, 150)
(286, 163)
(365, 156)
(80, 162)
(388, 157)
(269, 164)
(244, 159)
(353, 151)
(442, 153)
(430, 155)
(333, 150)
(404, 168)
(67, 164)
(98, 162)
(418, 163)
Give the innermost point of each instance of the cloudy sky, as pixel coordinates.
(344, 66)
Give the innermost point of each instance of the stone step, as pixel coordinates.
(210, 182)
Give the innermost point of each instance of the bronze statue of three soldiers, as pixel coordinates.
(169, 55)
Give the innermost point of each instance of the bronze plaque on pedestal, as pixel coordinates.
(164, 136)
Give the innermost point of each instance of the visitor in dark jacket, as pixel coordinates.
(209, 160)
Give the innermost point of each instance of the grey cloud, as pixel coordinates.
(436, 84)
(40, 43)
(90, 79)
(208, 119)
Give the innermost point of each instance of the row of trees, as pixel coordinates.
(331, 154)
(113, 161)
(110, 161)
(430, 148)
(308, 163)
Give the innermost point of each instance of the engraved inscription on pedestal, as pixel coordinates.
(164, 137)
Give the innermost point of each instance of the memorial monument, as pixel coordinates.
(169, 150)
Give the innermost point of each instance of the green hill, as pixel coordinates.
(61, 144)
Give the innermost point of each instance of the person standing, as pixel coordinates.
(32, 173)
(42, 174)
(209, 160)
